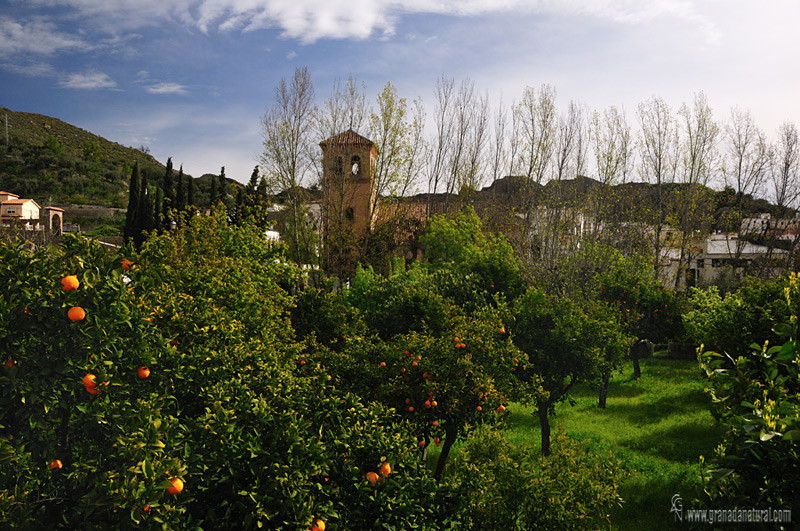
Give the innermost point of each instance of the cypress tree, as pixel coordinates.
(134, 193)
(190, 193)
(180, 193)
(169, 197)
(212, 198)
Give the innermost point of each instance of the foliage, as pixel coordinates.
(732, 323)
(757, 397)
(647, 310)
(205, 308)
(509, 487)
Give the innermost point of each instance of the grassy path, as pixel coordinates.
(658, 426)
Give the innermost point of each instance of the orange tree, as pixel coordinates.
(205, 309)
(110, 436)
(564, 347)
(441, 369)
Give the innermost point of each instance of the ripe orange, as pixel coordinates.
(438, 441)
(319, 525)
(9, 363)
(408, 353)
(434, 423)
(88, 381)
(501, 408)
(92, 390)
(55, 463)
(302, 362)
(403, 369)
(383, 364)
(413, 363)
(421, 444)
(480, 408)
(457, 340)
(177, 486)
(410, 409)
(427, 403)
(126, 264)
(372, 477)
(419, 358)
(70, 283)
(143, 372)
(76, 313)
(385, 469)
(433, 403)
(502, 329)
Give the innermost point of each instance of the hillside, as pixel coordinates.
(54, 162)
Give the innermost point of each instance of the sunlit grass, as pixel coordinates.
(658, 426)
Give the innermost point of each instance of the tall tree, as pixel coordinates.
(180, 192)
(169, 196)
(134, 208)
(287, 129)
(747, 162)
(658, 144)
(698, 166)
(786, 166)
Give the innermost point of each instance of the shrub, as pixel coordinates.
(506, 487)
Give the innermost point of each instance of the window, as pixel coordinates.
(349, 214)
(338, 167)
(11, 211)
(355, 165)
(701, 263)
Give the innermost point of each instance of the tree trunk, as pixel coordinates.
(604, 391)
(544, 421)
(637, 371)
(449, 439)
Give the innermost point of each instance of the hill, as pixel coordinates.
(56, 163)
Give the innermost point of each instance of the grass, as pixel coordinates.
(658, 426)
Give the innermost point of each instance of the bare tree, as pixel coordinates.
(471, 174)
(747, 162)
(569, 141)
(287, 160)
(500, 166)
(786, 166)
(699, 159)
(657, 159)
(441, 144)
(612, 146)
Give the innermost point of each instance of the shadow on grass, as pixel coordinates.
(681, 444)
(655, 412)
(648, 500)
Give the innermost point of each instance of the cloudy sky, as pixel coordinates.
(191, 79)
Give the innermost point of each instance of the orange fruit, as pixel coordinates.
(372, 477)
(413, 363)
(457, 340)
(126, 264)
(438, 441)
(88, 381)
(319, 525)
(427, 403)
(501, 408)
(55, 463)
(433, 403)
(92, 390)
(70, 283)
(76, 313)
(421, 444)
(302, 362)
(9, 363)
(408, 353)
(480, 408)
(383, 364)
(410, 409)
(419, 358)
(385, 469)
(434, 423)
(143, 372)
(177, 486)
(403, 369)
(502, 330)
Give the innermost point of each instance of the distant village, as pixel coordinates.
(348, 192)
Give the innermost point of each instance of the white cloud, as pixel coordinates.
(88, 81)
(29, 69)
(167, 88)
(37, 36)
(291, 55)
(311, 20)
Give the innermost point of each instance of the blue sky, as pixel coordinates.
(191, 79)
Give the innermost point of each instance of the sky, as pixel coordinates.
(192, 79)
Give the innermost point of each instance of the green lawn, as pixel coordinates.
(658, 426)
